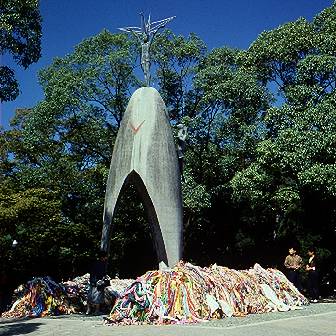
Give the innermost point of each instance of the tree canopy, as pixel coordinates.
(20, 36)
(260, 161)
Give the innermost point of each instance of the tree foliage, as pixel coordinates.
(293, 175)
(20, 36)
(260, 158)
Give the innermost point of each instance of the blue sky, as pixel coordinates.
(235, 23)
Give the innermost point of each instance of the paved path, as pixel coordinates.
(314, 320)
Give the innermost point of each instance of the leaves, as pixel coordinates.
(9, 89)
(259, 164)
(292, 176)
(20, 35)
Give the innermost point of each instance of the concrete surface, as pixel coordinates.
(145, 155)
(316, 319)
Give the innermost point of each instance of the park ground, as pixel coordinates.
(315, 319)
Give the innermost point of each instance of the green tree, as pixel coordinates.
(230, 109)
(292, 179)
(50, 242)
(64, 144)
(260, 154)
(221, 103)
(20, 36)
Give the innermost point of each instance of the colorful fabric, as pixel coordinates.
(183, 294)
(40, 297)
(189, 293)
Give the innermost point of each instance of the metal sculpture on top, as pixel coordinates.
(145, 36)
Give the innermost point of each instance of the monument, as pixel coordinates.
(145, 155)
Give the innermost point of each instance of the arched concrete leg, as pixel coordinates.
(111, 202)
(157, 235)
(119, 170)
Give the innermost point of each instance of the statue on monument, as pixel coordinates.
(145, 36)
(181, 138)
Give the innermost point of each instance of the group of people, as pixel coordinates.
(294, 264)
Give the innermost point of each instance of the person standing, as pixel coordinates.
(5, 289)
(312, 269)
(293, 263)
(181, 139)
(96, 290)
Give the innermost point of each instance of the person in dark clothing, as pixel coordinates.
(5, 288)
(181, 140)
(313, 276)
(97, 284)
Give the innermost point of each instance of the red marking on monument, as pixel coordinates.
(135, 129)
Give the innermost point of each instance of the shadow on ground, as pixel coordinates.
(19, 329)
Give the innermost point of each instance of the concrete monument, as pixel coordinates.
(145, 155)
